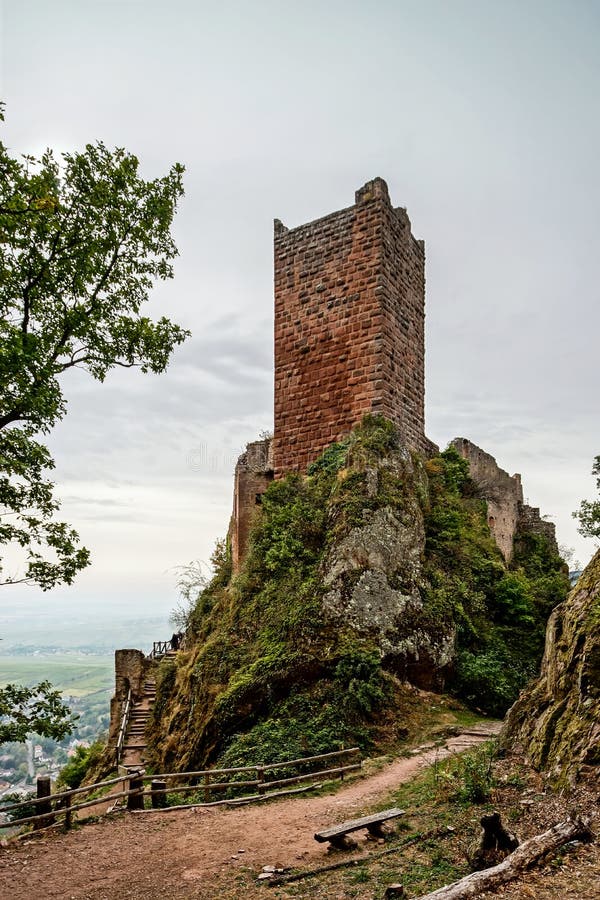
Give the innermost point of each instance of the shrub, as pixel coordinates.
(473, 776)
(20, 797)
(73, 774)
(499, 613)
(490, 680)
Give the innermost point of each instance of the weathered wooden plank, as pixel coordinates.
(306, 759)
(356, 824)
(340, 770)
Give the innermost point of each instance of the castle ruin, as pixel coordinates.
(350, 340)
(503, 493)
(349, 327)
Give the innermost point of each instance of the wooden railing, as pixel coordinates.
(123, 726)
(159, 648)
(160, 789)
(61, 804)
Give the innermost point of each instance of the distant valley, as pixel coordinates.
(73, 648)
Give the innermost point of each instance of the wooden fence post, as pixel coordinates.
(207, 787)
(68, 813)
(260, 777)
(44, 789)
(158, 794)
(136, 783)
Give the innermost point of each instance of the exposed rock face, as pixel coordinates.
(374, 575)
(557, 720)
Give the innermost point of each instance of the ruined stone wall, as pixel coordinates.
(131, 670)
(531, 522)
(253, 474)
(349, 327)
(507, 513)
(503, 493)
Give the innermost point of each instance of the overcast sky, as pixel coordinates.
(484, 119)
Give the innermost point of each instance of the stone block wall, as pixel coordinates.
(507, 513)
(503, 493)
(349, 327)
(532, 522)
(132, 667)
(253, 474)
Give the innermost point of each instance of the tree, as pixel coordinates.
(39, 710)
(589, 510)
(82, 241)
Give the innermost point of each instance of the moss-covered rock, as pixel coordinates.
(556, 720)
(376, 568)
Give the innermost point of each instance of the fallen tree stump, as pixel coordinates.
(515, 864)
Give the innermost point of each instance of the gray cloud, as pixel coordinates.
(484, 120)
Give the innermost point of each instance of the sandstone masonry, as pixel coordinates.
(349, 340)
(507, 513)
(349, 327)
(253, 473)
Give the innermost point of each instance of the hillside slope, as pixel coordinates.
(376, 569)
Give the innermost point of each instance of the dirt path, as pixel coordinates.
(195, 853)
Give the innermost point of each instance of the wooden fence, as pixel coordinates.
(159, 790)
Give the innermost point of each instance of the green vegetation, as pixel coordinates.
(470, 779)
(38, 709)
(72, 674)
(557, 719)
(84, 760)
(500, 614)
(270, 676)
(589, 510)
(263, 657)
(83, 241)
(85, 683)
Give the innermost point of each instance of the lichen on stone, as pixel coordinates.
(556, 721)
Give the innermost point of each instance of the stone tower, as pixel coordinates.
(349, 327)
(349, 340)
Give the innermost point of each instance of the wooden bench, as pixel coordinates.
(337, 835)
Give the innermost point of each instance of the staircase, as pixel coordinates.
(135, 739)
(132, 755)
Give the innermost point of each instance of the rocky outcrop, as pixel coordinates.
(374, 577)
(556, 721)
(375, 569)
